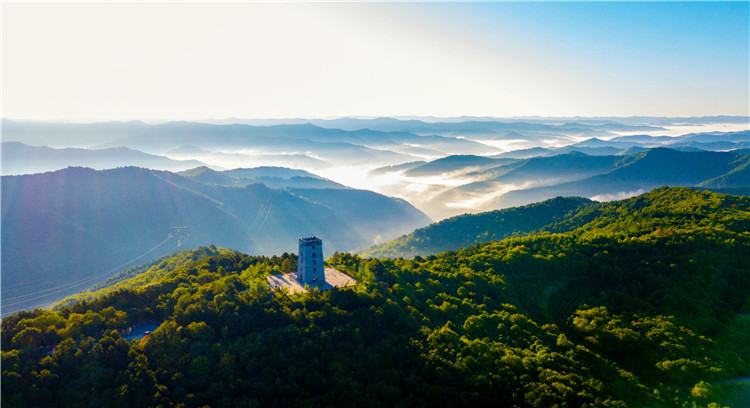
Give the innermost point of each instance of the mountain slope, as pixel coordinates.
(737, 177)
(617, 315)
(454, 163)
(396, 168)
(66, 230)
(653, 210)
(276, 177)
(546, 170)
(469, 229)
(641, 172)
(60, 230)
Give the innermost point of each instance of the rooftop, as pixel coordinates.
(311, 240)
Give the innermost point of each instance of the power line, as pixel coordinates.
(61, 288)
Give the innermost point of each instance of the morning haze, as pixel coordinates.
(99, 62)
(515, 204)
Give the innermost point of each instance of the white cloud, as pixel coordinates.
(617, 196)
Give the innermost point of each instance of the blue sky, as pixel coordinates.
(192, 61)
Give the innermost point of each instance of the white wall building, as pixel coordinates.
(310, 262)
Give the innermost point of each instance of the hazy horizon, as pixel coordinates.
(425, 118)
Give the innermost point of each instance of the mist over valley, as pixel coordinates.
(444, 167)
(375, 204)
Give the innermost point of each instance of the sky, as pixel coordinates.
(194, 61)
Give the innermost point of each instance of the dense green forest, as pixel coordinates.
(638, 303)
(469, 229)
(87, 225)
(665, 208)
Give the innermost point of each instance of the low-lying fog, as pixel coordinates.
(435, 192)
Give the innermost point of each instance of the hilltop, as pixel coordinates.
(69, 229)
(643, 305)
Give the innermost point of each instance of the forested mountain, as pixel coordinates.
(542, 171)
(557, 215)
(644, 305)
(454, 163)
(515, 182)
(641, 172)
(443, 167)
(19, 158)
(469, 229)
(65, 230)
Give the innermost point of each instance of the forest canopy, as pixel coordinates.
(641, 302)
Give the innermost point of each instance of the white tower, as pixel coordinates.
(310, 262)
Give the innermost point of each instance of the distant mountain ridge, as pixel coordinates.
(277, 177)
(20, 158)
(600, 177)
(454, 163)
(642, 172)
(444, 166)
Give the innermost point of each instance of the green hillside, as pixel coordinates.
(692, 209)
(619, 312)
(64, 231)
(469, 229)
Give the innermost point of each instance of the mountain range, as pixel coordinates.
(53, 222)
(278, 177)
(524, 181)
(63, 231)
(444, 167)
(19, 158)
(642, 172)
